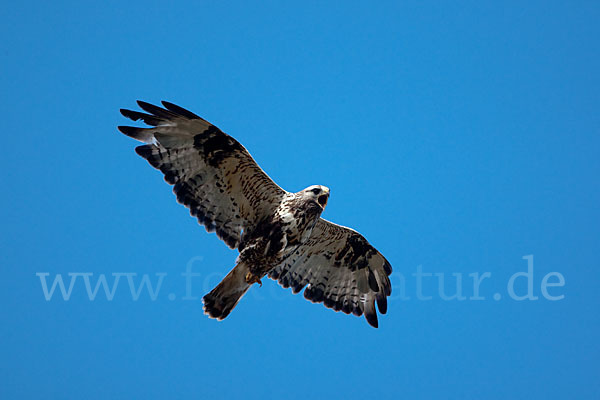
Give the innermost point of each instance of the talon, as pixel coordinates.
(251, 278)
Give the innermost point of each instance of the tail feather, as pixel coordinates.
(225, 296)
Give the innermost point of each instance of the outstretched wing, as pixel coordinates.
(342, 270)
(212, 173)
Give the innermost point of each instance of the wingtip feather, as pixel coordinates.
(382, 303)
(371, 314)
(156, 110)
(140, 134)
(179, 110)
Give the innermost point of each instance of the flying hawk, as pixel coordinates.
(276, 232)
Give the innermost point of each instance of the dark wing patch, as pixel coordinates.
(212, 173)
(340, 269)
(216, 147)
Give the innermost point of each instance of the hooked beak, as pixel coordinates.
(322, 199)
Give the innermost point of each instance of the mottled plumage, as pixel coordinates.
(277, 233)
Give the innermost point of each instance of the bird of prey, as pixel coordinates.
(277, 233)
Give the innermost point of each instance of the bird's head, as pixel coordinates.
(317, 193)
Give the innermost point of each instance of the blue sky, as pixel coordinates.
(458, 137)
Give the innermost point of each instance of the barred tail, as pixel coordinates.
(223, 298)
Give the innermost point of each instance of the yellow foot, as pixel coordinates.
(251, 278)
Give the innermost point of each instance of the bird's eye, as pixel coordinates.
(316, 191)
